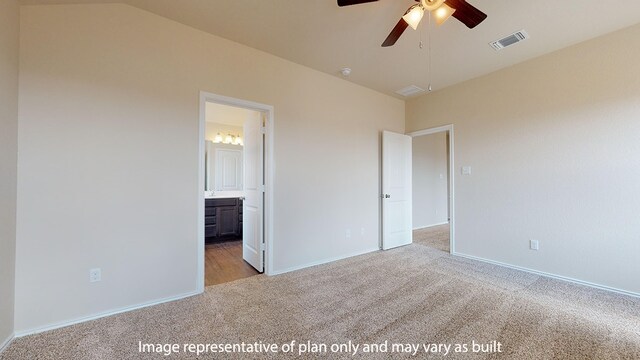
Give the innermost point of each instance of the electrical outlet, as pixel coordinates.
(361, 231)
(534, 245)
(95, 275)
(347, 234)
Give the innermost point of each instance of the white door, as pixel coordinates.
(396, 190)
(252, 211)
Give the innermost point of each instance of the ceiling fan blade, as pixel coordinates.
(395, 34)
(353, 2)
(467, 13)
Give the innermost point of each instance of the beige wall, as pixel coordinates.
(9, 28)
(430, 176)
(108, 161)
(554, 148)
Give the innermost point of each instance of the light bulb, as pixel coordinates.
(443, 13)
(239, 140)
(228, 139)
(218, 138)
(413, 16)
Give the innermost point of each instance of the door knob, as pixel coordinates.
(387, 196)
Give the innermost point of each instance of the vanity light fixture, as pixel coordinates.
(229, 139)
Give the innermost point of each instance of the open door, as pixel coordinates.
(396, 190)
(252, 211)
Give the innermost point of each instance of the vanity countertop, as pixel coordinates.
(223, 194)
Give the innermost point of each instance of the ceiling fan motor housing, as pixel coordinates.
(431, 5)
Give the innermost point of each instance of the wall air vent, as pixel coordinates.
(410, 91)
(507, 41)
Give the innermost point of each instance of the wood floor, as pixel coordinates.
(223, 263)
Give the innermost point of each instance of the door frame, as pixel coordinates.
(269, 172)
(446, 129)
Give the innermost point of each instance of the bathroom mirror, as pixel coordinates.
(224, 136)
(223, 167)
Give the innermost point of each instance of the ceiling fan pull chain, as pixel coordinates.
(421, 44)
(429, 40)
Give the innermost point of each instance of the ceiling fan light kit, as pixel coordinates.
(443, 13)
(441, 9)
(413, 16)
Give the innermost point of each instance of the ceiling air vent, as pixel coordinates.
(512, 39)
(409, 91)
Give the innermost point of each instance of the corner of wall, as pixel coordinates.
(9, 72)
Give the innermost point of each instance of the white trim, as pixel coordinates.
(269, 176)
(430, 131)
(202, 122)
(428, 226)
(452, 173)
(324, 261)
(101, 315)
(6, 342)
(549, 275)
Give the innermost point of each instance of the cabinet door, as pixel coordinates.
(210, 231)
(228, 170)
(227, 220)
(240, 218)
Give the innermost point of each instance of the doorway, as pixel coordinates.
(234, 224)
(432, 193)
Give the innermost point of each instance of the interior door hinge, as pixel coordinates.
(262, 247)
(261, 188)
(263, 130)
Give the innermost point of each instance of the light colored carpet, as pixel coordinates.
(413, 294)
(436, 237)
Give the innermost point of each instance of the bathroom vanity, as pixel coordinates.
(222, 219)
(223, 192)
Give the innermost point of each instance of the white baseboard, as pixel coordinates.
(549, 275)
(6, 342)
(428, 226)
(62, 324)
(101, 315)
(324, 261)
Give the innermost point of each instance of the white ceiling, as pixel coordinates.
(226, 115)
(323, 36)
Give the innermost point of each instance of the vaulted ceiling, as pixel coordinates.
(323, 36)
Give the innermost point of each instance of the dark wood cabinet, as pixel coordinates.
(222, 219)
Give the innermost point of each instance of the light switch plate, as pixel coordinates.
(95, 275)
(534, 245)
(466, 170)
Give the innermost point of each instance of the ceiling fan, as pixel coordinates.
(441, 9)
